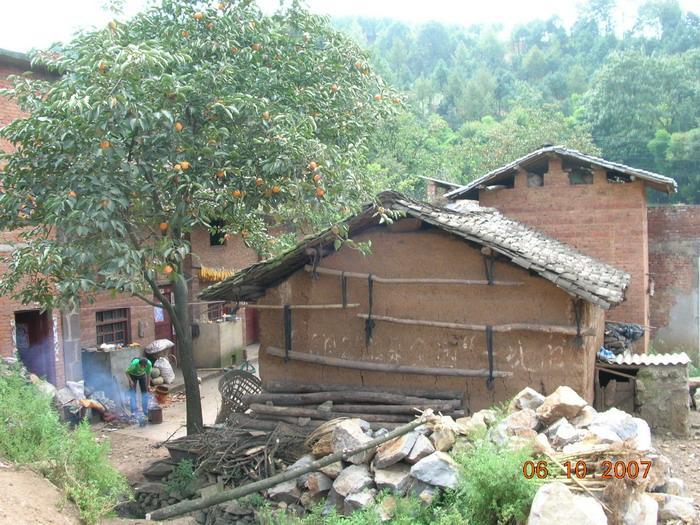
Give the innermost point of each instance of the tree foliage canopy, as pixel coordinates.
(177, 119)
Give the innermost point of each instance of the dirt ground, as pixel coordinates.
(131, 455)
(685, 456)
(27, 498)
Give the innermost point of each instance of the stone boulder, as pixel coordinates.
(585, 417)
(471, 427)
(674, 486)
(359, 500)
(424, 492)
(352, 479)
(333, 470)
(317, 482)
(286, 492)
(521, 423)
(348, 435)
(395, 450)
(487, 416)
(437, 469)
(443, 439)
(563, 402)
(632, 430)
(395, 478)
(421, 448)
(555, 504)
(526, 398)
(642, 509)
(660, 472)
(677, 508)
(563, 433)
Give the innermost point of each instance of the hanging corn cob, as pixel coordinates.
(213, 275)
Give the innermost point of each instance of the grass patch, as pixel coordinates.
(32, 434)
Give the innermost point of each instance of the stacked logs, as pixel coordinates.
(311, 406)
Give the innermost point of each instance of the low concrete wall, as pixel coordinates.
(217, 343)
(662, 398)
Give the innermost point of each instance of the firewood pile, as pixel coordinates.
(237, 453)
(380, 409)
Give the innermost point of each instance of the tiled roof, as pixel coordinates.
(659, 182)
(652, 359)
(578, 274)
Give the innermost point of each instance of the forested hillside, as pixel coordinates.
(478, 97)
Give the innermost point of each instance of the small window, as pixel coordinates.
(615, 177)
(580, 176)
(112, 326)
(535, 180)
(217, 237)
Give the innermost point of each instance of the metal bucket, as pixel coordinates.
(155, 415)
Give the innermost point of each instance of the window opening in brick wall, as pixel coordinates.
(112, 326)
(535, 180)
(217, 237)
(615, 177)
(580, 176)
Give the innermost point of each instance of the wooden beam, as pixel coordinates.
(407, 280)
(513, 327)
(392, 368)
(315, 413)
(302, 306)
(351, 396)
(284, 387)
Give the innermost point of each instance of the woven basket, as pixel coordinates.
(234, 386)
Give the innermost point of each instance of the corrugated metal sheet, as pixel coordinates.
(652, 359)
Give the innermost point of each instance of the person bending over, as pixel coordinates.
(139, 371)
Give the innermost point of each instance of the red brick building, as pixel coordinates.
(49, 342)
(599, 207)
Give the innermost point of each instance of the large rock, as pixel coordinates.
(303, 461)
(674, 486)
(359, 500)
(555, 504)
(677, 508)
(317, 482)
(542, 445)
(395, 450)
(526, 398)
(585, 417)
(395, 478)
(660, 472)
(287, 491)
(471, 427)
(437, 469)
(333, 470)
(564, 434)
(522, 422)
(352, 479)
(632, 430)
(443, 439)
(349, 435)
(642, 509)
(424, 492)
(487, 416)
(421, 448)
(563, 402)
(602, 435)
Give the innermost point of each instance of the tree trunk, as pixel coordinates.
(183, 329)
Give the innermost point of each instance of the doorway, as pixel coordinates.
(35, 344)
(163, 326)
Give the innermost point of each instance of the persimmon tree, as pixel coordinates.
(190, 115)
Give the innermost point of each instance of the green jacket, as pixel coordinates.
(135, 368)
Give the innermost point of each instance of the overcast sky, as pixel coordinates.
(38, 23)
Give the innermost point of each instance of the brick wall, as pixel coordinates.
(603, 219)
(140, 318)
(9, 112)
(674, 249)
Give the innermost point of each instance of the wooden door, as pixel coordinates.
(163, 326)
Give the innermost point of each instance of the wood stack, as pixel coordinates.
(312, 405)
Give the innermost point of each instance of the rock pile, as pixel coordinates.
(560, 427)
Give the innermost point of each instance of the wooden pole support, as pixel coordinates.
(381, 367)
(302, 306)
(407, 280)
(352, 396)
(501, 328)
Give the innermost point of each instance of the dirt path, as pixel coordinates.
(27, 498)
(131, 455)
(685, 455)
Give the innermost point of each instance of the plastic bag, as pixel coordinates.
(159, 345)
(77, 388)
(166, 370)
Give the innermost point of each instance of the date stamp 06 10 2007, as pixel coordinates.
(609, 469)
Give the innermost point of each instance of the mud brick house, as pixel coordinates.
(462, 299)
(598, 206)
(50, 342)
